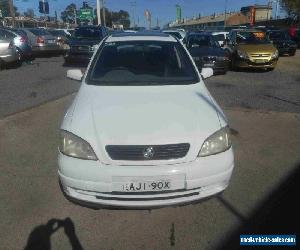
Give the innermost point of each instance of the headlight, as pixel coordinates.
(275, 54)
(242, 54)
(74, 146)
(95, 47)
(216, 143)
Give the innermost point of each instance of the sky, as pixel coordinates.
(162, 11)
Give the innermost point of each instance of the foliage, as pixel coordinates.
(68, 15)
(121, 17)
(292, 7)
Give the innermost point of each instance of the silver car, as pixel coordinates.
(8, 52)
(42, 41)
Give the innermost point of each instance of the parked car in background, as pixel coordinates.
(221, 37)
(20, 41)
(283, 42)
(8, 52)
(179, 34)
(251, 49)
(42, 42)
(61, 38)
(207, 53)
(143, 130)
(84, 42)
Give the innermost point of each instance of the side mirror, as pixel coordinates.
(74, 74)
(207, 72)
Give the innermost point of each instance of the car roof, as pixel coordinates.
(141, 36)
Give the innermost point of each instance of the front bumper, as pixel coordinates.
(9, 58)
(92, 182)
(219, 67)
(247, 63)
(289, 50)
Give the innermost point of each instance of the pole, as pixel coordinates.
(99, 12)
(225, 16)
(75, 17)
(104, 15)
(277, 3)
(12, 12)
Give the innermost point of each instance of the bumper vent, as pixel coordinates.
(147, 152)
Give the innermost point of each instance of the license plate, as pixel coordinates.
(260, 61)
(148, 184)
(51, 41)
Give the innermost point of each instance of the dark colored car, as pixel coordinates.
(21, 42)
(207, 53)
(83, 43)
(282, 42)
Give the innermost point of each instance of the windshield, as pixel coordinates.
(255, 37)
(202, 41)
(275, 35)
(220, 37)
(88, 33)
(142, 63)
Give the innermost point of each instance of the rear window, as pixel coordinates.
(39, 32)
(202, 41)
(88, 33)
(142, 63)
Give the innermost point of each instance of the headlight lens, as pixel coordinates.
(242, 54)
(275, 54)
(216, 143)
(95, 47)
(73, 146)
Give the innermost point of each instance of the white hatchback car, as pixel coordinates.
(143, 130)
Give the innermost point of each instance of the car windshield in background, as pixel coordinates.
(277, 35)
(202, 41)
(142, 63)
(88, 33)
(39, 32)
(256, 37)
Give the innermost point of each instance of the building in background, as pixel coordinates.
(262, 12)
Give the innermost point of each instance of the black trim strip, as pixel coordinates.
(147, 199)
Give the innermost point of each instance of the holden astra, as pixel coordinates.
(143, 130)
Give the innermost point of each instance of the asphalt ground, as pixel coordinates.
(261, 199)
(45, 80)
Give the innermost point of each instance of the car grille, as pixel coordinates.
(254, 55)
(209, 59)
(137, 152)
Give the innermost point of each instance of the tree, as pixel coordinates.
(121, 17)
(4, 7)
(292, 7)
(68, 15)
(29, 13)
